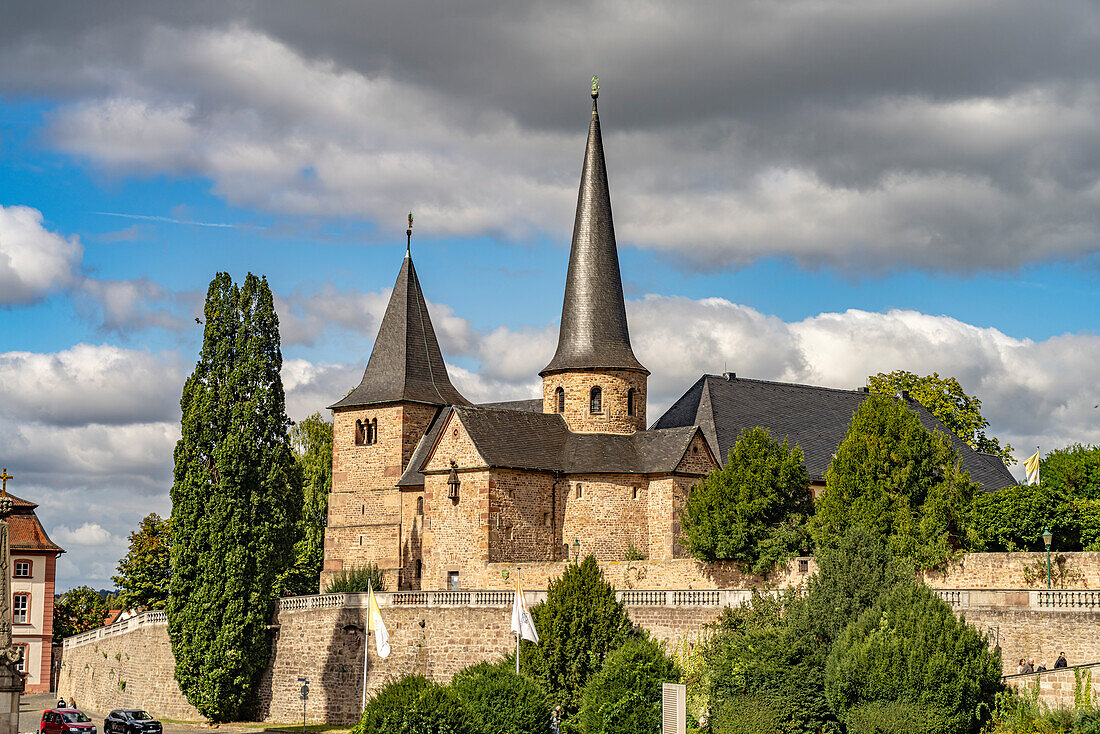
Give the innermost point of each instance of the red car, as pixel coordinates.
(65, 721)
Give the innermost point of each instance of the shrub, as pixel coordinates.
(910, 647)
(754, 509)
(501, 701)
(1088, 723)
(414, 705)
(745, 715)
(354, 580)
(579, 624)
(894, 717)
(625, 696)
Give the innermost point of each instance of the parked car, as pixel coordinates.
(65, 721)
(130, 721)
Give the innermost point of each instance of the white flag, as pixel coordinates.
(1031, 465)
(375, 624)
(523, 624)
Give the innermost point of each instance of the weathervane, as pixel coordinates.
(595, 87)
(409, 234)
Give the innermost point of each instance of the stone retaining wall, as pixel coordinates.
(1057, 688)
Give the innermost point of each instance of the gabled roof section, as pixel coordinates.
(534, 405)
(405, 364)
(816, 419)
(516, 439)
(593, 331)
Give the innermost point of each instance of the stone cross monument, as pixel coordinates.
(11, 680)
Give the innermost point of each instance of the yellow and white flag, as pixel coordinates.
(376, 625)
(523, 624)
(1032, 466)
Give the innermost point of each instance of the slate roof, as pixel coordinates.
(531, 406)
(25, 532)
(593, 331)
(814, 418)
(536, 441)
(405, 364)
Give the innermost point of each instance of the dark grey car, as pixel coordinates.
(130, 721)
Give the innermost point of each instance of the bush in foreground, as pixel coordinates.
(414, 705)
(500, 701)
(625, 696)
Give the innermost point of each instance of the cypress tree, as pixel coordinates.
(233, 501)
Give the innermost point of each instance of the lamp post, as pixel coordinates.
(576, 550)
(1047, 537)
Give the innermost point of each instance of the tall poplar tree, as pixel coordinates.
(234, 501)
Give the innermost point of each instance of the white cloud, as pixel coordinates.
(88, 534)
(33, 260)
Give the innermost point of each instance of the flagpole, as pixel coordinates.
(366, 648)
(518, 587)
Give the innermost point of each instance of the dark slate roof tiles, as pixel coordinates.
(814, 418)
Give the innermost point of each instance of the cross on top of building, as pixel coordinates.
(4, 476)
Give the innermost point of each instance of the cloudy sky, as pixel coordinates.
(810, 191)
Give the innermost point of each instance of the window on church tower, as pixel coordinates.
(371, 430)
(580, 492)
(630, 401)
(559, 399)
(419, 505)
(419, 568)
(360, 435)
(595, 401)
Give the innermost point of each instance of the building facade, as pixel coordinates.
(432, 487)
(33, 567)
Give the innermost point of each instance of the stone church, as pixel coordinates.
(433, 488)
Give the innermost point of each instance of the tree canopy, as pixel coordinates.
(78, 610)
(235, 502)
(145, 573)
(312, 442)
(945, 398)
(895, 478)
(1074, 470)
(754, 509)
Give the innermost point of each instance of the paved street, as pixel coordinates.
(31, 707)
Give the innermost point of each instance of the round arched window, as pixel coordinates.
(595, 401)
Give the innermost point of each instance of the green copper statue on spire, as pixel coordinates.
(595, 87)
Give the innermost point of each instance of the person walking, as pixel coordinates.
(1061, 661)
(555, 720)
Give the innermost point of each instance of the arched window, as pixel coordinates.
(630, 401)
(374, 430)
(419, 505)
(595, 401)
(559, 399)
(360, 435)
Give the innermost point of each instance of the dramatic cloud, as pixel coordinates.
(862, 136)
(33, 260)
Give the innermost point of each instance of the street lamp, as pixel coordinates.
(576, 550)
(1047, 537)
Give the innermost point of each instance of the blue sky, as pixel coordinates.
(801, 193)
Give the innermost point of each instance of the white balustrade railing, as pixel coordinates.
(152, 618)
(1067, 601)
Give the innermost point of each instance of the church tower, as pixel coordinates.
(376, 428)
(594, 379)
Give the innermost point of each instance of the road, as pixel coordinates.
(32, 705)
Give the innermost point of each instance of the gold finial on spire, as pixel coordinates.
(4, 476)
(595, 87)
(409, 235)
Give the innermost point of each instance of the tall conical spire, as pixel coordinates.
(405, 364)
(593, 330)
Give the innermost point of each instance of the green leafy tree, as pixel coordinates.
(1074, 470)
(501, 701)
(625, 696)
(312, 442)
(145, 574)
(895, 478)
(945, 398)
(579, 624)
(234, 502)
(771, 654)
(909, 647)
(414, 705)
(78, 610)
(754, 510)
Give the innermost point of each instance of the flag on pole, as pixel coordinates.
(1032, 466)
(523, 624)
(375, 624)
